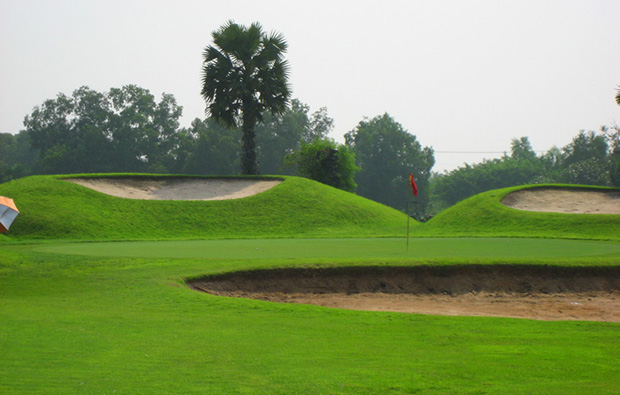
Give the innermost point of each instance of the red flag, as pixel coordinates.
(413, 185)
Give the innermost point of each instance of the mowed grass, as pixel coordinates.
(485, 215)
(91, 324)
(116, 317)
(467, 250)
(52, 208)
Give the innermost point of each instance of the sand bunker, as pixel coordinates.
(177, 188)
(535, 292)
(557, 200)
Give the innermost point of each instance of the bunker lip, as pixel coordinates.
(177, 188)
(564, 200)
(518, 291)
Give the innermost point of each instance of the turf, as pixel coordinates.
(55, 209)
(435, 249)
(80, 324)
(116, 317)
(484, 215)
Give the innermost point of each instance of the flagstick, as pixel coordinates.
(408, 217)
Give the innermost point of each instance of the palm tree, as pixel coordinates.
(243, 75)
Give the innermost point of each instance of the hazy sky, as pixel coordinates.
(463, 76)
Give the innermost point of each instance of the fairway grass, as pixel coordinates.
(76, 324)
(469, 250)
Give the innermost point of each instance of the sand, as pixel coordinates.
(177, 188)
(540, 293)
(570, 201)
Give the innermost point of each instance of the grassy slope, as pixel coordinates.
(484, 215)
(55, 209)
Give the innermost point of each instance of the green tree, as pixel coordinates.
(586, 160)
(16, 156)
(521, 150)
(386, 154)
(281, 134)
(612, 135)
(55, 131)
(143, 132)
(244, 75)
(210, 148)
(122, 130)
(321, 125)
(326, 161)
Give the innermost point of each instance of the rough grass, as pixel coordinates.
(484, 215)
(55, 209)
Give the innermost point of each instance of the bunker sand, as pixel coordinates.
(540, 293)
(165, 188)
(568, 201)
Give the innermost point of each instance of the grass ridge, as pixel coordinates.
(485, 215)
(55, 209)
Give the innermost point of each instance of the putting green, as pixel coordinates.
(388, 248)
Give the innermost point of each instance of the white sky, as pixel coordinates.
(460, 75)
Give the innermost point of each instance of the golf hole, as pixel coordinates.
(518, 291)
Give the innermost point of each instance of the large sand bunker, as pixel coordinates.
(564, 200)
(165, 188)
(535, 292)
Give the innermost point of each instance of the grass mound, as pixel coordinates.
(52, 208)
(485, 215)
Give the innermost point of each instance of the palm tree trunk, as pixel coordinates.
(249, 157)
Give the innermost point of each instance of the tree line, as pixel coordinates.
(128, 130)
(253, 127)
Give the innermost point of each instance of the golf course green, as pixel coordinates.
(94, 296)
(467, 249)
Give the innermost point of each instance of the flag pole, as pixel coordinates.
(408, 218)
(414, 189)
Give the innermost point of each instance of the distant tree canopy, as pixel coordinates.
(124, 129)
(521, 167)
(208, 147)
(245, 75)
(281, 134)
(16, 156)
(386, 154)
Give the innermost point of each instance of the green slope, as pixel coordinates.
(485, 215)
(55, 209)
